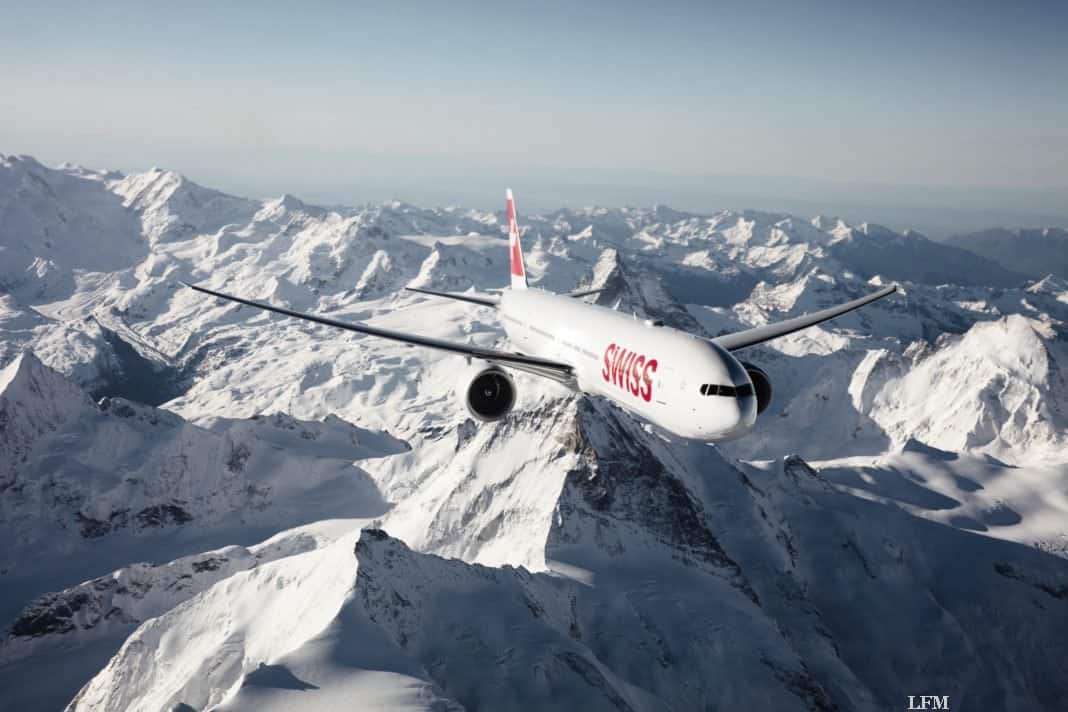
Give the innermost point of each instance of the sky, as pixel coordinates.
(936, 105)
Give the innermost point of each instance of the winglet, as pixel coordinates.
(519, 271)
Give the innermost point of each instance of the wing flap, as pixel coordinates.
(560, 372)
(760, 334)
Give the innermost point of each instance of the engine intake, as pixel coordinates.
(761, 384)
(490, 395)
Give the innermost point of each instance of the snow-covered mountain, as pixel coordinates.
(183, 482)
(58, 222)
(75, 471)
(654, 611)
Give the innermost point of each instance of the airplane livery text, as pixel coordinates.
(629, 370)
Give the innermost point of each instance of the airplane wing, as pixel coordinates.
(760, 334)
(559, 372)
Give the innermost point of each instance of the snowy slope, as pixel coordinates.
(79, 629)
(1025, 504)
(76, 472)
(57, 224)
(445, 630)
(704, 587)
(1004, 382)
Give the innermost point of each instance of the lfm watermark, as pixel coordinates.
(928, 702)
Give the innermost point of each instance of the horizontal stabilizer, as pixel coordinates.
(584, 292)
(461, 296)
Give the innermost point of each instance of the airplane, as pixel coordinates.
(692, 387)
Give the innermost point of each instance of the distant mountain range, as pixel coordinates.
(1033, 252)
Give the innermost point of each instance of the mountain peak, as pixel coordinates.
(279, 207)
(27, 377)
(453, 268)
(12, 160)
(23, 364)
(636, 290)
(34, 400)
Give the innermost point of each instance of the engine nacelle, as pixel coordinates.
(487, 392)
(761, 385)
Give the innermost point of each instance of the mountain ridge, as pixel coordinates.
(1036, 252)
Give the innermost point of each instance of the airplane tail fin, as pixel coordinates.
(519, 271)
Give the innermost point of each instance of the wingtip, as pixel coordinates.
(508, 194)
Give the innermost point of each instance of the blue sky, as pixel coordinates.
(343, 101)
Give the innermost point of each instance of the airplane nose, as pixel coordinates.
(739, 416)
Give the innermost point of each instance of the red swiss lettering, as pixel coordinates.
(608, 354)
(633, 374)
(617, 367)
(647, 379)
(624, 370)
(629, 370)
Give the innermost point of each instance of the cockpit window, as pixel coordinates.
(714, 389)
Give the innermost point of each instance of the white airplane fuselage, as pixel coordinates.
(651, 370)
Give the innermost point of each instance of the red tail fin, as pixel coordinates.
(519, 271)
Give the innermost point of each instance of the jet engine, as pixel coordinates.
(490, 394)
(761, 384)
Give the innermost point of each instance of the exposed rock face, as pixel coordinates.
(620, 493)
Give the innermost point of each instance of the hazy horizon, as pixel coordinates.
(937, 117)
